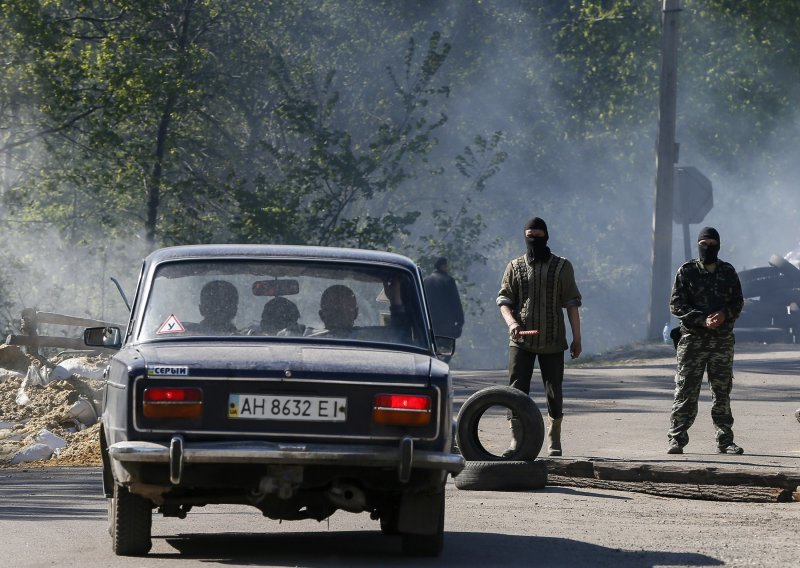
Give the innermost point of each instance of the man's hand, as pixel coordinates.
(391, 287)
(513, 325)
(575, 349)
(713, 321)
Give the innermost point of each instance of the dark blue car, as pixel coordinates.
(298, 380)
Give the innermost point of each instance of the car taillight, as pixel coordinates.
(172, 402)
(402, 409)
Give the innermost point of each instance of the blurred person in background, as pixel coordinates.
(444, 302)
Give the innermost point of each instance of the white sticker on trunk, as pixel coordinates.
(167, 371)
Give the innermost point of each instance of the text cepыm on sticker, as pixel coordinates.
(168, 371)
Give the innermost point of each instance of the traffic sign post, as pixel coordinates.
(693, 199)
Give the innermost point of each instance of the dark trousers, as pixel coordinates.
(551, 365)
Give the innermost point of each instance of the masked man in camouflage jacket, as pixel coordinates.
(535, 289)
(707, 299)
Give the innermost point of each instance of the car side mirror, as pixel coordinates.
(445, 346)
(108, 337)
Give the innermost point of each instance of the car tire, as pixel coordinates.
(427, 545)
(389, 525)
(515, 400)
(502, 476)
(389, 520)
(110, 502)
(131, 523)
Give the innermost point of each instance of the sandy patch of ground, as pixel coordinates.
(47, 409)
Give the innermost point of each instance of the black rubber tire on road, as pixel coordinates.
(429, 545)
(131, 523)
(502, 476)
(523, 407)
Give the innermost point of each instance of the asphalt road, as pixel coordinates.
(620, 409)
(57, 517)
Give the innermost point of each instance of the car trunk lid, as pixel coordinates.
(284, 391)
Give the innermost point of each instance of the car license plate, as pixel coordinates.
(276, 407)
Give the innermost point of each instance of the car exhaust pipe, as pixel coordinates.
(280, 480)
(347, 497)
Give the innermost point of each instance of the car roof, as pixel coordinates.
(293, 252)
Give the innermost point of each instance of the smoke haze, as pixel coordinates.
(595, 188)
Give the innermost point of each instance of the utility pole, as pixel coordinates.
(666, 156)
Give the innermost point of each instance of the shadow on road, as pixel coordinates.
(461, 549)
(51, 494)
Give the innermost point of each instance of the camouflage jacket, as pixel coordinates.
(537, 293)
(698, 292)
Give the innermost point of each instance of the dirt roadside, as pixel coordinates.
(32, 413)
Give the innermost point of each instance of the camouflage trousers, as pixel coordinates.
(696, 355)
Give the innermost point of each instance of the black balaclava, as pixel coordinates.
(708, 253)
(537, 246)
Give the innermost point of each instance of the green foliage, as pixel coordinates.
(430, 128)
(328, 175)
(456, 230)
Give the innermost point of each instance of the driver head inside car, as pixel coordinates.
(219, 302)
(338, 310)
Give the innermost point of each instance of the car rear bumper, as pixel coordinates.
(177, 453)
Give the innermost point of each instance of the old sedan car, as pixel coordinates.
(298, 380)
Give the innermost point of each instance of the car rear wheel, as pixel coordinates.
(427, 544)
(131, 521)
(110, 502)
(389, 519)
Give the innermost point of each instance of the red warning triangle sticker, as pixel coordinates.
(171, 325)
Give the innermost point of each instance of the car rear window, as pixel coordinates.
(306, 301)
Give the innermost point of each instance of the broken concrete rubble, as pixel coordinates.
(44, 446)
(64, 402)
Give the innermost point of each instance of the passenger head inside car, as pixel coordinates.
(338, 309)
(219, 302)
(280, 314)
